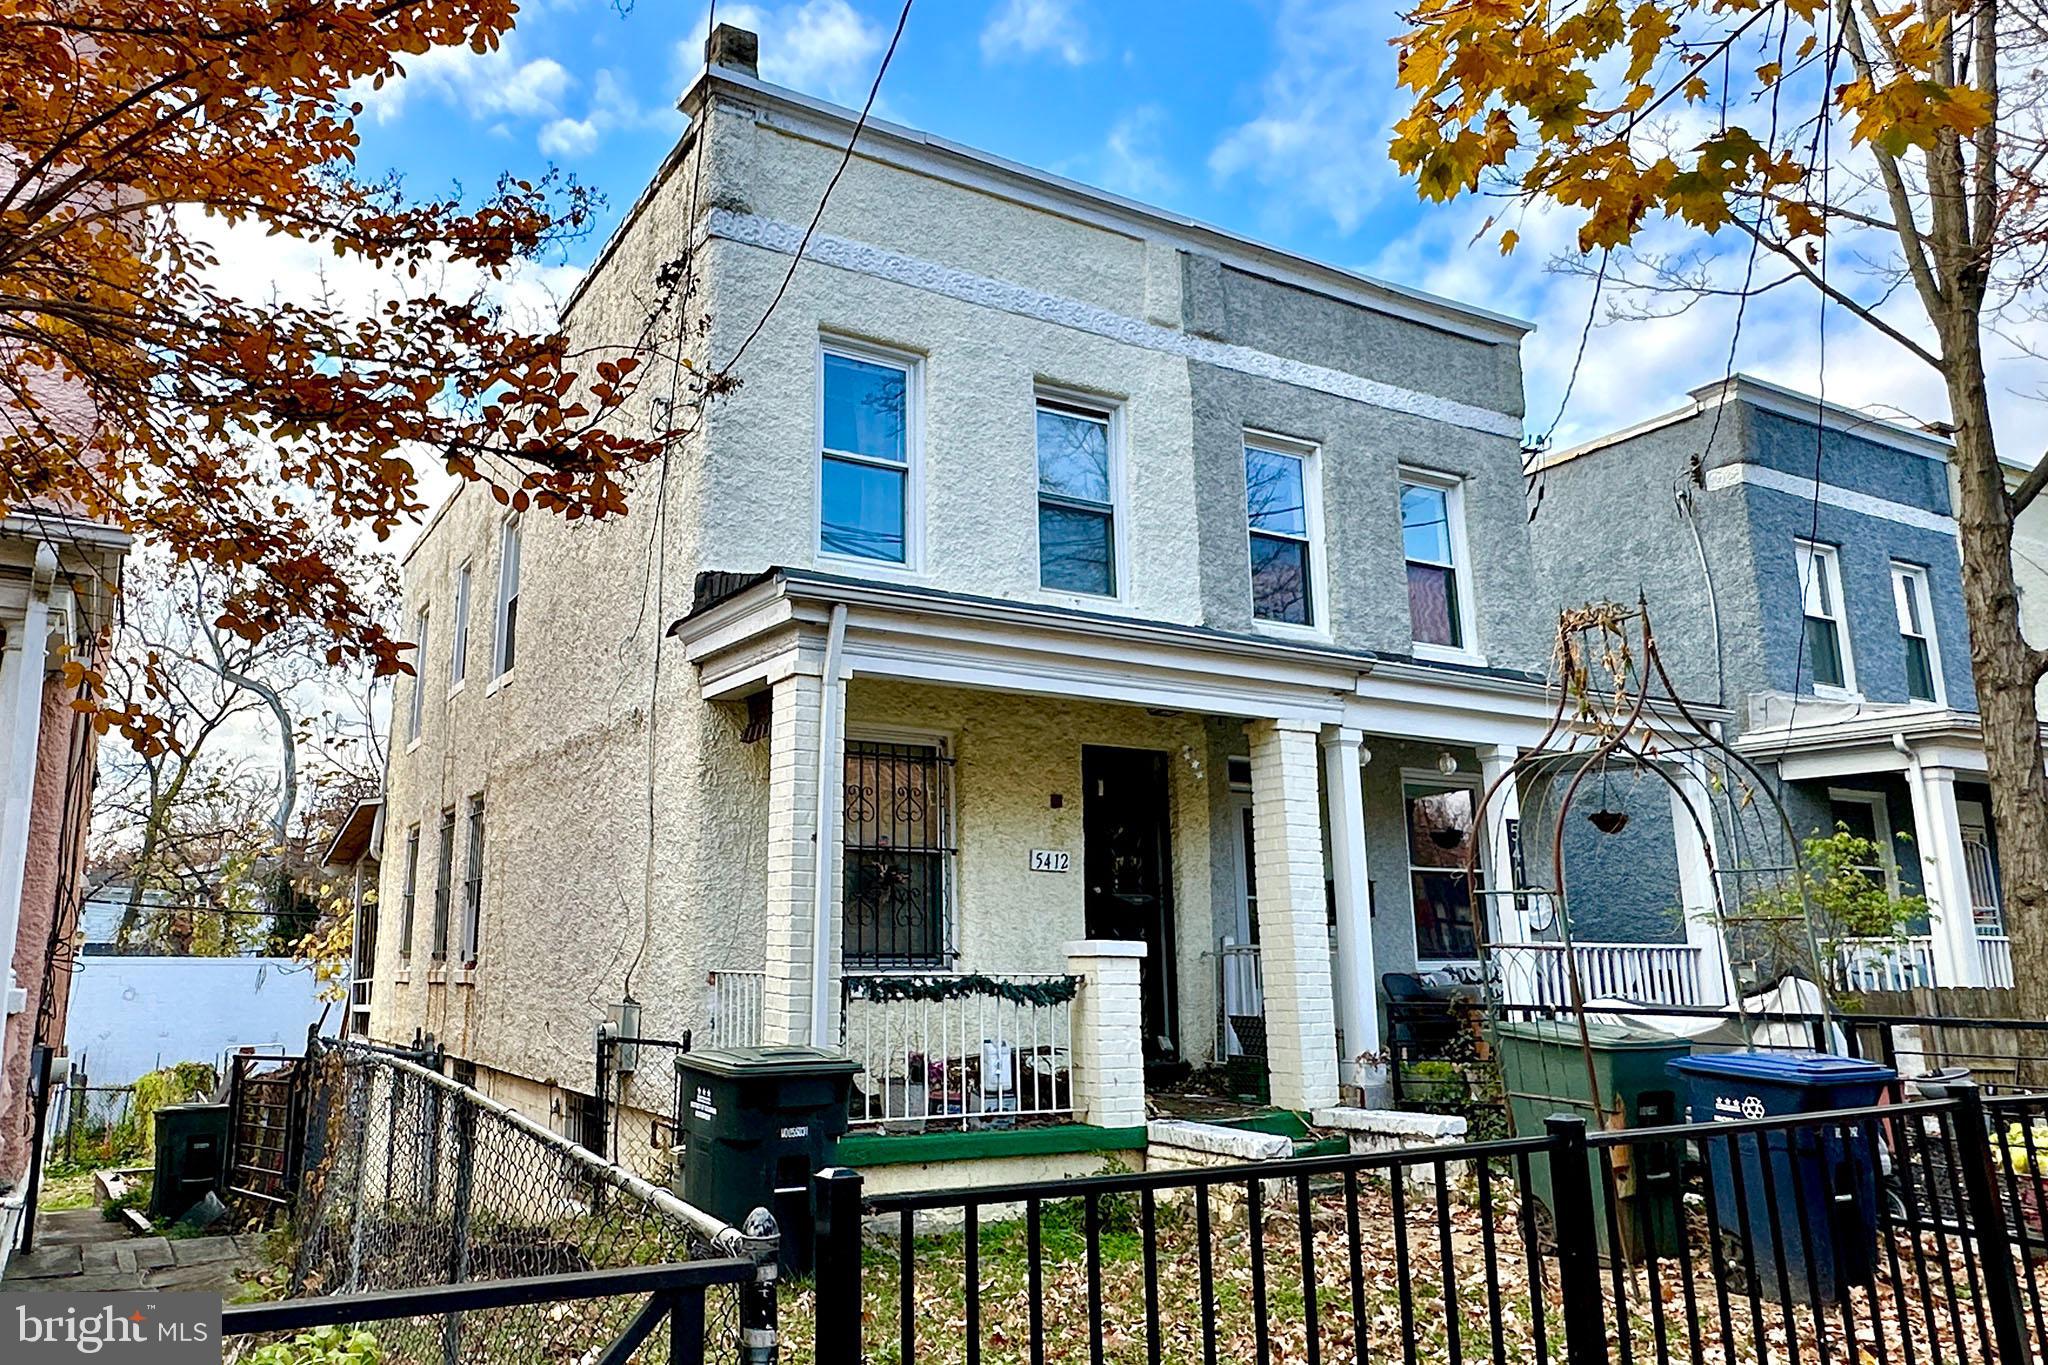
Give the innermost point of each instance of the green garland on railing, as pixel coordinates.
(1056, 990)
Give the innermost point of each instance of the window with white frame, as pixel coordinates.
(1433, 542)
(868, 454)
(898, 854)
(473, 881)
(444, 871)
(1827, 659)
(416, 718)
(409, 898)
(1441, 819)
(1279, 491)
(458, 663)
(1076, 498)
(506, 649)
(1916, 631)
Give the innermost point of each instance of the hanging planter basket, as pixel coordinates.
(1447, 838)
(1609, 821)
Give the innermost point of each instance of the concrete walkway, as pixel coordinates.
(77, 1251)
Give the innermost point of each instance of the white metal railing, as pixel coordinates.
(1240, 996)
(735, 1014)
(981, 1056)
(1997, 958)
(1886, 964)
(1648, 973)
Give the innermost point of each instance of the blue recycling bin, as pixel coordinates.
(1817, 1202)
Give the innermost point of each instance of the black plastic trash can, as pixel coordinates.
(1808, 1192)
(757, 1122)
(191, 1149)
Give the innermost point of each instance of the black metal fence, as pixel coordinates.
(638, 1104)
(1902, 1233)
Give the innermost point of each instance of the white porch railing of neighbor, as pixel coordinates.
(943, 1050)
(736, 1008)
(1886, 964)
(1241, 999)
(1648, 973)
(1997, 951)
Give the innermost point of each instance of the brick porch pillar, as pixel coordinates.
(1294, 935)
(1108, 1042)
(795, 756)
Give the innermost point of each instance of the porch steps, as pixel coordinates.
(1288, 1124)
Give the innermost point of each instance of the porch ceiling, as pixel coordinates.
(1884, 741)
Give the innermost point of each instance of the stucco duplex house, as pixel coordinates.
(1074, 653)
(1827, 614)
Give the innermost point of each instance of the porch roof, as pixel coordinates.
(746, 631)
(1818, 739)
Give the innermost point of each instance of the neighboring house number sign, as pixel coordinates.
(1051, 860)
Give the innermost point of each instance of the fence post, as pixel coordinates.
(1987, 1223)
(458, 1250)
(836, 1216)
(1578, 1253)
(761, 1239)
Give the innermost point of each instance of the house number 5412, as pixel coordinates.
(1050, 860)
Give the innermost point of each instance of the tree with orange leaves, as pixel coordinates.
(249, 438)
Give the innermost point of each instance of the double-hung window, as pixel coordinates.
(458, 662)
(507, 636)
(1279, 485)
(416, 719)
(868, 455)
(898, 862)
(473, 881)
(1432, 541)
(1076, 499)
(408, 899)
(1916, 631)
(1440, 828)
(443, 872)
(1828, 663)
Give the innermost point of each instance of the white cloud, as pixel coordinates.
(1132, 162)
(1032, 28)
(821, 47)
(481, 84)
(1326, 114)
(612, 107)
(569, 137)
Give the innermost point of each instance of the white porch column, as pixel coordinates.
(799, 808)
(1944, 876)
(1509, 921)
(1294, 939)
(1357, 995)
(1692, 829)
(1108, 1037)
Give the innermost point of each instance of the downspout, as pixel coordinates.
(828, 787)
(24, 712)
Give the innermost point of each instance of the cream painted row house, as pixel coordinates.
(1073, 655)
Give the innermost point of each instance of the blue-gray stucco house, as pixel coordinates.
(1799, 561)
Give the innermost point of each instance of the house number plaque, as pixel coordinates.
(1051, 860)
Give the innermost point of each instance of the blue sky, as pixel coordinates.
(1265, 117)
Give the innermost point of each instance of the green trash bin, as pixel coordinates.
(191, 1149)
(1544, 1070)
(757, 1122)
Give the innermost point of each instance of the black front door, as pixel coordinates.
(1128, 863)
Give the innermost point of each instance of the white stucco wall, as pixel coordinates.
(132, 1015)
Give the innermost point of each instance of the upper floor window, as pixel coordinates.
(1279, 488)
(458, 663)
(473, 881)
(868, 455)
(1828, 662)
(1433, 542)
(507, 648)
(1916, 631)
(416, 718)
(1076, 499)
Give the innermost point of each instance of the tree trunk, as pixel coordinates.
(2005, 667)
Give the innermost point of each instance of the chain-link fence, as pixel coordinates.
(95, 1125)
(417, 1180)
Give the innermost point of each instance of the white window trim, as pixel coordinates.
(458, 646)
(913, 455)
(1311, 456)
(942, 740)
(1453, 487)
(1119, 500)
(508, 528)
(1430, 777)
(1827, 559)
(416, 712)
(1904, 569)
(1881, 821)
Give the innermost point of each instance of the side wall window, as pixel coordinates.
(506, 652)
(416, 718)
(409, 897)
(444, 871)
(473, 881)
